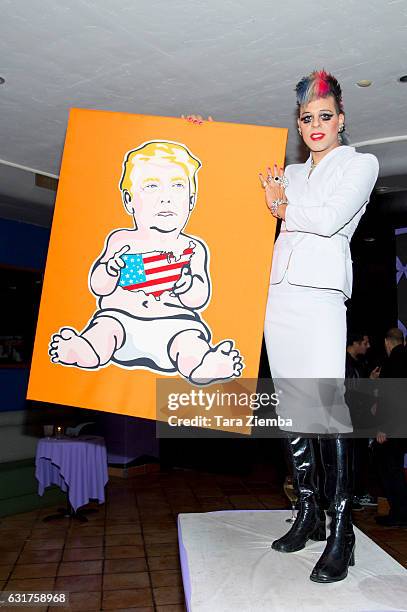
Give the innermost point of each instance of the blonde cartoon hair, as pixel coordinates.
(172, 152)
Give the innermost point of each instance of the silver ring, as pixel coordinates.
(281, 180)
(269, 178)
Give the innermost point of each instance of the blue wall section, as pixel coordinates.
(23, 246)
(13, 388)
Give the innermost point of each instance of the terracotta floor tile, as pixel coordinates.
(148, 498)
(39, 556)
(400, 546)
(121, 516)
(166, 578)
(246, 502)
(121, 521)
(155, 515)
(50, 510)
(81, 602)
(35, 570)
(157, 508)
(170, 562)
(44, 544)
(124, 552)
(162, 537)
(125, 528)
(22, 517)
(93, 520)
(5, 571)
(142, 609)
(84, 529)
(18, 534)
(186, 509)
(132, 539)
(25, 608)
(80, 568)
(214, 499)
(216, 506)
(82, 541)
(115, 600)
(40, 533)
(11, 545)
(177, 498)
(155, 526)
(138, 580)
(31, 584)
(160, 550)
(83, 554)
(9, 557)
(207, 492)
(168, 595)
(75, 584)
(114, 566)
(233, 491)
(273, 504)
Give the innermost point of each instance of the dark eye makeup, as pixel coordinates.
(322, 116)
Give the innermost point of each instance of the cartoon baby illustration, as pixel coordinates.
(152, 280)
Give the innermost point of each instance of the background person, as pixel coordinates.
(360, 405)
(389, 452)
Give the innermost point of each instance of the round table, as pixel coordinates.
(77, 465)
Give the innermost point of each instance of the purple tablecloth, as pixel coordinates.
(77, 465)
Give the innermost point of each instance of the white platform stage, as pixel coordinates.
(228, 566)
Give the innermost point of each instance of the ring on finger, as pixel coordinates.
(281, 180)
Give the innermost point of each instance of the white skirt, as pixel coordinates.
(305, 335)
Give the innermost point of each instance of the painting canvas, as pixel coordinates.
(159, 260)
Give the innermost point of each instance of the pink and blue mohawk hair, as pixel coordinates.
(319, 84)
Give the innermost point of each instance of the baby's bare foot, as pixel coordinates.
(219, 363)
(69, 348)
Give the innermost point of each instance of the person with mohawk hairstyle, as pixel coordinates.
(320, 203)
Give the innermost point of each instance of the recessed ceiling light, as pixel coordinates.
(403, 79)
(364, 83)
(2, 81)
(382, 189)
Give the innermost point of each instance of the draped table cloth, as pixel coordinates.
(76, 465)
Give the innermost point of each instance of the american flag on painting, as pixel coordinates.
(152, 273)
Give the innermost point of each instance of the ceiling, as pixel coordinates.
(237, 60)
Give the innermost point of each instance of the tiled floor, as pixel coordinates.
(126, 556)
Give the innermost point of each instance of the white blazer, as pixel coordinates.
(322, 214)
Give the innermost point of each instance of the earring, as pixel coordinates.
(299, 131)
(341, 128)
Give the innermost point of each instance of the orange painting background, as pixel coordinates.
(230, 216)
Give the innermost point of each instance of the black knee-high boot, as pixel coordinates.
(339, 553)
(310, 521)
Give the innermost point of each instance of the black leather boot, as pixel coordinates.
(310, 521)
(339, 553)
